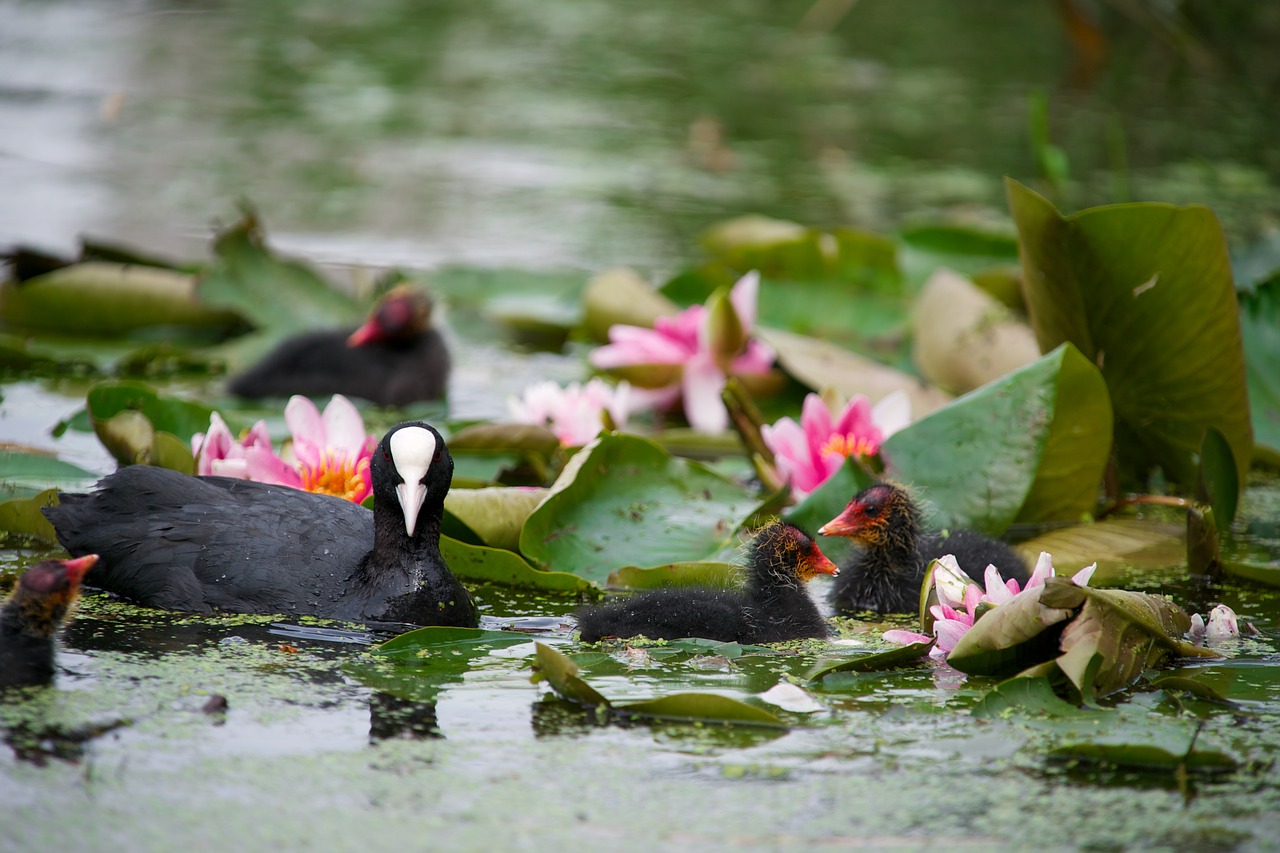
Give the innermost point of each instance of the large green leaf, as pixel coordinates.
(1161, 749)
(712, 573)
(495, 514)
(1260, 330)
(111, 299)
(277, 295)
(1111, 543)
(497, 565)
(1032, 445)
(624, 501)
(562, 674)
(1145, 292)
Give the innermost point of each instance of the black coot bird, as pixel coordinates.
(31, 616)
(885, 575)
(213, 543)
(772, 608)
(395, 358)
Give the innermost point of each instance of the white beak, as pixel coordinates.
(412, 450)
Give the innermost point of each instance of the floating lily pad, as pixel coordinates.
(1012, 637)
(138, 425)
(623, 501)
(1158, 750)
(1144, 291)
(1033, 695)
(500, 566)
(494, 514)
(101, 298)
(698, 573)
(908, 655)
(562, 674)
(25, 474)
(420, 644)
(22, 516)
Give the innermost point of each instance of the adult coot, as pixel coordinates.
(772, 608)
(395, 358)
(885, 575)
(31, 616)
(214, 543)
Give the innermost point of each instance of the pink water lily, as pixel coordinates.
(575, 413)
(956, 611)
(330, 453)
(809, 452)
(1223, 624)
(689, 357)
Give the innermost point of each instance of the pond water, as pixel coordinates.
(565, 138)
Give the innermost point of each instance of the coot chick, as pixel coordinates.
(31, 616)
(213, 543)
(772, 608)
(885, 575)
(395, 358)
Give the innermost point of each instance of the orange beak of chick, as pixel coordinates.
(848, 523)
(370, 332)
(818, 564)
(77, 568)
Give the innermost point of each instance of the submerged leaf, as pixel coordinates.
(412, 645)
(699, 707)
(1030, 694)
(907, 655)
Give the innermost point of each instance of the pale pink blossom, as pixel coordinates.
(809, 452)
(699, 354)
(1223, 625)
(575, 413)
(958, 607)
(331, 452)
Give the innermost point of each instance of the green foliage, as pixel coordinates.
(138, 425)
(907, 655)
(25, 474)
(1260, 331)
(624, 501)
(1145, 292)
(1032, 445)
(562, 674)
(22, 517)
(478, 563)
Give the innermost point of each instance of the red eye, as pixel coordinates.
(386, 454)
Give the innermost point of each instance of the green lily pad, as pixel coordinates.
(1145, 292)
(1263, 573)
(711, 573)
(907, 655)
(966, 250)
(22, 516)
(1158, 750)
(494, 514)
(699, 707)
(100, 298)
(422, 643)
(496, 565)
(1260, 333)
(1032, 445)
(1027, 694)
(25, 474)
(1218, 477)
(624, 501)
(562, 674)
(1111, 542)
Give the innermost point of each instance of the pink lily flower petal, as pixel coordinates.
(892, 413)
(344, 427)
(703, 384)
(743, 296)
(1082, 577)
(949, 632)
(1042, 571)
(308, 429)
(998, 592)
(951, 583)
(902, 637)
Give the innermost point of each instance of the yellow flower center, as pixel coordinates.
(338, 476)
(850, 445)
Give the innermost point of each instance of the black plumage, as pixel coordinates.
(886, 573)
(31, 616)
(211, 543)
(395, 358)
(773, 607)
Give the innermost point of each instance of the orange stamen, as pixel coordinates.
(850, 445)
(339, 476)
